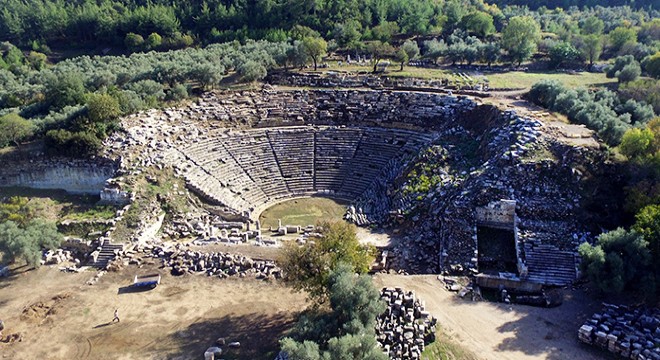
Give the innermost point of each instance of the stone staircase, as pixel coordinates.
(548, 265)
(107, 254)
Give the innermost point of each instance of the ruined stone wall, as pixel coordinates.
(501, 214)
(411, 110)
(74, 176)
(344, 80)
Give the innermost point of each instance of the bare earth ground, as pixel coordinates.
(62, 318)
(505, 332)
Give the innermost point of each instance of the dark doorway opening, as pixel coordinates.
(497, 250)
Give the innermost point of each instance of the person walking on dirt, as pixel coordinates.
(116, 316)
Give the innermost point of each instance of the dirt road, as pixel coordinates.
(504, 332)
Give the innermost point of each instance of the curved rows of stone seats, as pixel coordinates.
(252, 169)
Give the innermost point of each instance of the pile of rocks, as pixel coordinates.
(58, 256)
(222, 265)
(405, 327)
(633, 333)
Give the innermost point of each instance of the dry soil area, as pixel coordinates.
(505, 332)
(60, 317)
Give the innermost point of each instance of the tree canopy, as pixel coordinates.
(26, 242)
(308, 267)
(14, 129)
(520, 36)
(347, 330)
(617, 260)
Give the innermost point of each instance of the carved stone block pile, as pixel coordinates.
(405, 327)
(633, 333)
(222, 265)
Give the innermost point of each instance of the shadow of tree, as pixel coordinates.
(258, 336)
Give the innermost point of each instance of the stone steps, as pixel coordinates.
(106, 254)
(549, 265)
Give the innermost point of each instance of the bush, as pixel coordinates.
(177, 93)
(251, 70)
(26, 242)
(154, 41)
(652, 65)
(600, 111)
(545, 92)
(14, 129)
(134, 41)
(619, 259)
(619, 63)
(629, 73)
(75, 144)
(636, 142)
(563, 52)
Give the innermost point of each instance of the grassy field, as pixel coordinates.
(444, 348)
(303, 212)
(519, 79)
(513, 79)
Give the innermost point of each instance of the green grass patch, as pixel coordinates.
(520, 79)
(307, 211)
(445, 348)
(94, 213)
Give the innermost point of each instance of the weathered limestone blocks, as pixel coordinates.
(222, 265)
(632, 333)
(405, 327)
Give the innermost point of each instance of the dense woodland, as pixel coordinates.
(178, 22)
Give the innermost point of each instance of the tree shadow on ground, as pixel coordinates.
(547, 332)
(257, 333)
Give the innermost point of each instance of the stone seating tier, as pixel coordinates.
(247, 170)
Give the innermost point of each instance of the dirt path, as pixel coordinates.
(67, 319)
(504, 332)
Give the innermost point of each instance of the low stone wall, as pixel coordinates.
(73, 175)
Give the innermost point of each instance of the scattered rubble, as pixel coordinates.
(632, 333)
(405, 327)
(181, 261)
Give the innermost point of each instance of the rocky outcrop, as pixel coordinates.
(73, 175)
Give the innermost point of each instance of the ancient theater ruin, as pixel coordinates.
(466, 187)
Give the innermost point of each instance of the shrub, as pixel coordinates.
(619, 63)
(177, 93)
(251, 70)
(619, 259)
(154, 41)
(629, 73)
(75, 144)
(133, 41)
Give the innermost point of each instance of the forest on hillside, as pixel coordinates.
(179, 23)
